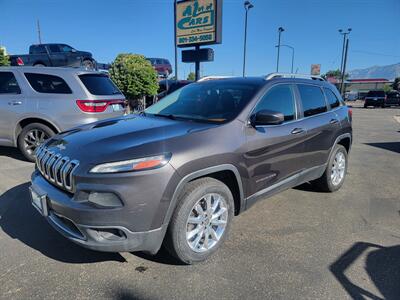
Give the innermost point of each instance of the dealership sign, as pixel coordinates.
(198, 22)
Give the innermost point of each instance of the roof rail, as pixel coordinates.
(206, 78)
(293, 75)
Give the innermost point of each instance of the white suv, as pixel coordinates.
(38, 102)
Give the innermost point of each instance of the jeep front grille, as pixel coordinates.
(56, 168)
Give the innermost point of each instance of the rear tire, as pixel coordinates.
(39, 65)
(335, 173)
(201, 220)
(31, 137)
(88, 64)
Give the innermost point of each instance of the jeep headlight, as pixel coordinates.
(138, 164)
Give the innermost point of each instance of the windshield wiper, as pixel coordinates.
(171, 117)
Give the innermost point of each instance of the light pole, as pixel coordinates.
(175, 45)
(345, 34)
(247, 7)
(280, 30)
(292, 48)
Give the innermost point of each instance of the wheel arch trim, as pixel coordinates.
(339, 138)
(202, 173)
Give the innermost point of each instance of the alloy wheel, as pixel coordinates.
(33, 139)
(338, 168)
(207, 222)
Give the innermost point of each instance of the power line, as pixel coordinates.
(375, 53)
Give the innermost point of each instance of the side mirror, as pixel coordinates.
(267, 117)
(73, 50)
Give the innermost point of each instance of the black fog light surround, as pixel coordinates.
(103, 199)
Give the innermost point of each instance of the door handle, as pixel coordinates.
(297, 130)
(15, 103)
(334, 121)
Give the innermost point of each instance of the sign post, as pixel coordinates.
(198, 22)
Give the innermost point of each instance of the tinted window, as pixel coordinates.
(213, 101)
(43, 83)
(8, 83)
(279, 99)
(66, 48)
(98, 84)
(376, 94)
(313, 100)
(332, 99)
(38, 49)
(54, 48)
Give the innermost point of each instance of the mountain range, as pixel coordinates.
(389, 72)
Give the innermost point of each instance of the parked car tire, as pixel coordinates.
(335, 173)
(88, 64)
(201, 220)
(31, 137)
(39, 65)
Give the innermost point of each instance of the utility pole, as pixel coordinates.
(38, 30)
(280, 30)
(247, 7)
(345, 34)
(176, 46)
(344, 67)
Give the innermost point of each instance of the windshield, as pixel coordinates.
(376, 94)
(213, 101)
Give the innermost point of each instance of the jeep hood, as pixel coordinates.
(122, 138)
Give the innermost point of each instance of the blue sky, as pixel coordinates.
(107, 28)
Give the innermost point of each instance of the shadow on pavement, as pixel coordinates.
(162, 257)
(391, 146)
(125, 294)
(12, 152)
(21, 221)
(382, 266)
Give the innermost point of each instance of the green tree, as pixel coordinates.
(387, 88)
(335, 74)
(396, 84)
(135, 77)
(191, 76)
(4, 59)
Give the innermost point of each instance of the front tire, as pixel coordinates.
(31, 137)
(201, 220)
(335, 173)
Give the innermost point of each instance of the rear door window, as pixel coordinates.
(279, 99)
(332, 99)
(49, 84)
(99, 84)
(54, 48)
(8, 83)
(312, 99)
(37, 49)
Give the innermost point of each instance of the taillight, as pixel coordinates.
(350, 112)
(96, 106)
(20, 62)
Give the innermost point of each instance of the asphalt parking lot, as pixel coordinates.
(298, 244)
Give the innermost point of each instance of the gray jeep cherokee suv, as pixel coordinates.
(180, 171)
